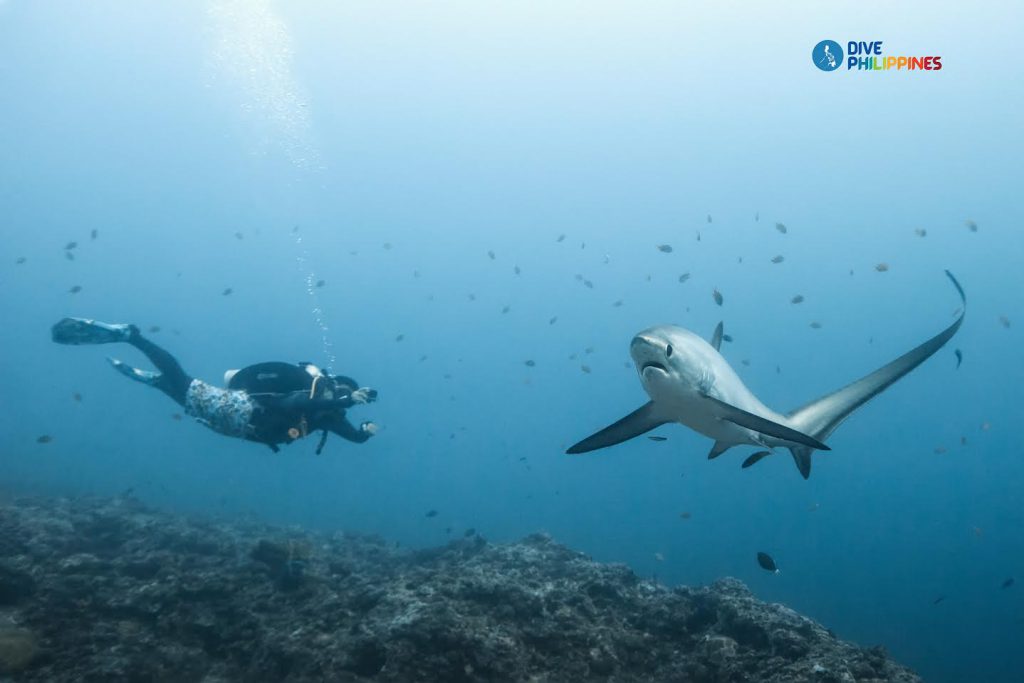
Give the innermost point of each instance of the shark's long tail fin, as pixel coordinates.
(821, 417)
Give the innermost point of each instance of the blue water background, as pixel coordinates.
(404, 139)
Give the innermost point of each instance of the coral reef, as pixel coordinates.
(95, 590)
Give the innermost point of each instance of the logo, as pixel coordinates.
(827, 55)
(867, 55)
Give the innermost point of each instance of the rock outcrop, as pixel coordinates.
(97, 590)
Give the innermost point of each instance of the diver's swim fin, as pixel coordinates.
(145, 376)
(85, 331)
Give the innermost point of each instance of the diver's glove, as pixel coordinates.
(369, 428)
(364, 395)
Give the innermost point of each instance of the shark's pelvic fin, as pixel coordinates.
(765, 426)
(820, 418)
(716, 338)
(642, 420)
(719, 448)
(756, 457)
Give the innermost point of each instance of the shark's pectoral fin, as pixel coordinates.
(763, 425)
(642, 420)
(756, 457)
(719, 448)
(716, 338)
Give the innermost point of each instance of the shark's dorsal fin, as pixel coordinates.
(641, 420)
(716, 338)
(820, 417)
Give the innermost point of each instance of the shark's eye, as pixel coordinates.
(668, 351)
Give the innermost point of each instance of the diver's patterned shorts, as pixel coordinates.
(227, 411)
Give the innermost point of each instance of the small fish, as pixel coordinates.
(684, 277)
(1008, 582)
(491, 255)
(963, 440)
(585, 369)
(522, 458)
(920, 232)
(985, 426)
(778, 259)
(727, 338)
(938, 599)
(20, 260)
(698, 235)
(76, 289)
(77, 397)
(959, 357)
(469, 532)
(781, 228)
(70, 245)
(69, 256)
(709, 218)
(978, 531)
(45, 438)
(227, 292)
(176, 417)
(154, 329)
(756, 457)
(659, 557)
(321, 283)
(882, 267)
(717, 296)
(971, 225)
(530, 363)
(814, 507)
(685, 515)
(757, 216)
(658, 438)
(553, 320)
(589, 350)
(416, 273)
(798, 299)
(1004, 321)
(506, 309)
(815, 325)
(239, 236)
(665, 248)
(431, 513)
(399, 337)
(515, 269)
(472, 297)
(94, 233)
(939, 450)
(746, 362)
(588, 284)
(387, 246)
(423, 358)
(617, 304)
(561, 238)
(767, 563)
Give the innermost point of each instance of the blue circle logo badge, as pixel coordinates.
(827, 55)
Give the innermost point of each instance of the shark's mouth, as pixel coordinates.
(652, 364)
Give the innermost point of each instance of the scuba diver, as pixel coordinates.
(272, 403)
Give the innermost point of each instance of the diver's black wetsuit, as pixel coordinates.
(269, 417)
(172, 380)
